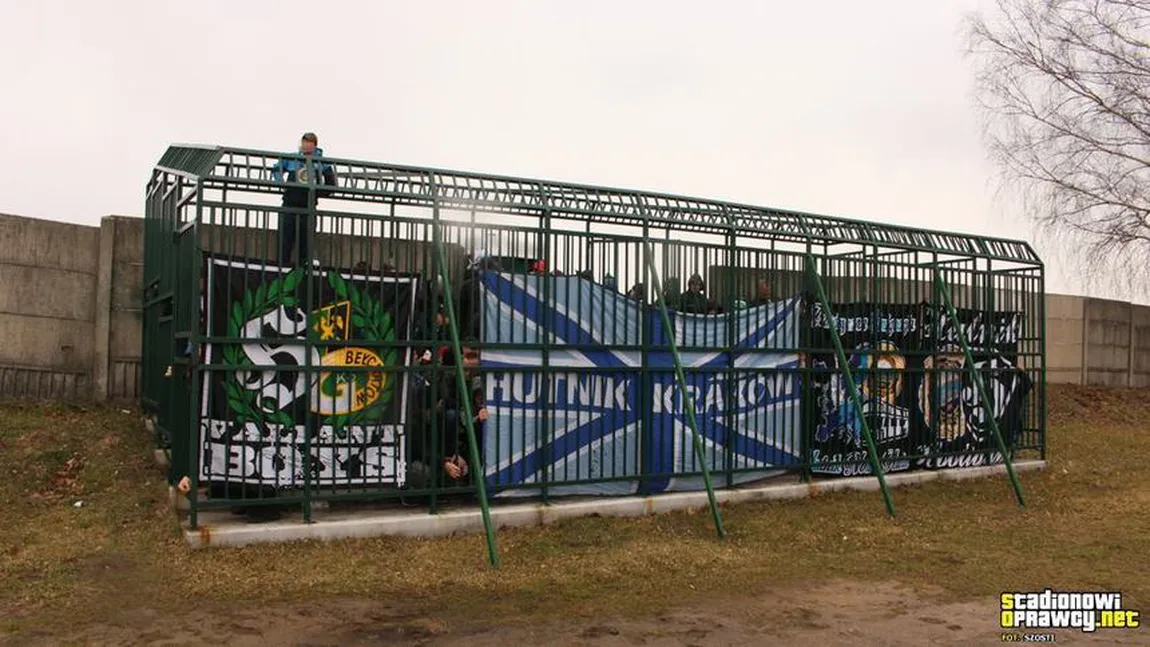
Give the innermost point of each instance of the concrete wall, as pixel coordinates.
(1117, 338)
(1140, 377)
(1064, 339)
(1097, 342)
(71, 324)
(47, 307)
(125, 314)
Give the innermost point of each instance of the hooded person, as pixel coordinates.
(695, 300)
(299, 197)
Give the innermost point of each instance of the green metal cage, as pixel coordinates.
(546, 339)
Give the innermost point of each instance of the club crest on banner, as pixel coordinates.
(255, 416)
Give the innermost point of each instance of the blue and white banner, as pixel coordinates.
(579, 418)
(747, 400)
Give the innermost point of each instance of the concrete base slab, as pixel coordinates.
(223, 529)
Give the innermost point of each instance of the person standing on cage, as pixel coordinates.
(295, 221)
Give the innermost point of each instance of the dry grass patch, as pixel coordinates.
(61, 566)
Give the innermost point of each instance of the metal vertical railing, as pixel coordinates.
(688, 401)
(467, 414)
(976, 376)
(848, 376)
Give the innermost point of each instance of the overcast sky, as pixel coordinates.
(839, 107)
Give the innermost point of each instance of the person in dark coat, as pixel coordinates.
(299, 200)
(453, 443)
(695, 300)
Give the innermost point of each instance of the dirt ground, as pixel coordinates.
(835, 613)
(91, 554)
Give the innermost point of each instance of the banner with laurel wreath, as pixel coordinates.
(282, 408)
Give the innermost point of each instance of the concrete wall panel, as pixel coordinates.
(45, 292)
(56, 344)
(44, 243)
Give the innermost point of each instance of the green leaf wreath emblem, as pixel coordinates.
(369, 322)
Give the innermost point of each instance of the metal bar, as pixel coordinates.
(1040, 298)
(464, 395)
(876, 465)
(194, 439)
(688, 403)
(305, 226)
(546, 376)
(992, 422)
(467, 190)
(729, 386)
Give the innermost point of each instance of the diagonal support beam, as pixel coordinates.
(976, 376)
(681, 380)
(852, 387)
(465, 398)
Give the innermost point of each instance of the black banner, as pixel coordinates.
(917, 395)
(256, 412)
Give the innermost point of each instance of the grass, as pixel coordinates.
(62, 567)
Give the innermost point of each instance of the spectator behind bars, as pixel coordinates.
(762, 293)
(453, 432)
(470, 307)
(296, 218)
(432, 322)
(638, 293)
(694, 300)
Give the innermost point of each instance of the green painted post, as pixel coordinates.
(465, 396)
(688, 403)
(1040, 302)
(978, 384)
(876, 464)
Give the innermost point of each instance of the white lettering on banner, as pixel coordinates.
(964, 460)
(891, 428)
(570, 389)
(1007, 329)
(285, 465)
(591, 392)
(858, 463)
(1010, 331)
(281, 462)
(861, 324)
(897, 325)
(892, 422)
(751, 392)
(252, 434)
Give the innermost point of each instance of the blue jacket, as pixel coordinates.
(289, 170)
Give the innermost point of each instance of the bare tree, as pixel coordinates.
(1065, 86)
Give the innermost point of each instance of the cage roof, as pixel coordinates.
(372, 181)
